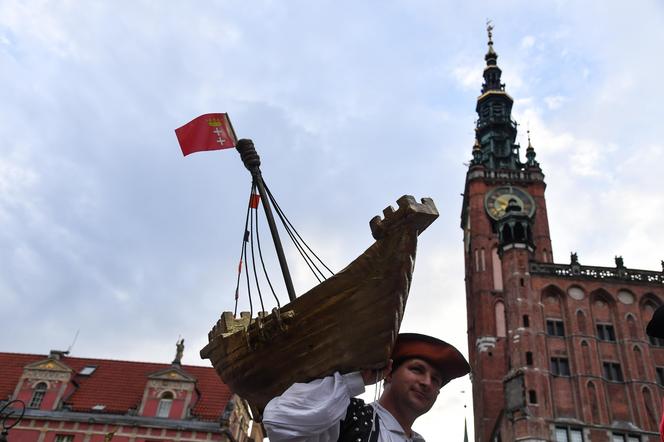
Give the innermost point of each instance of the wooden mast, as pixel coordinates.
(252, 162)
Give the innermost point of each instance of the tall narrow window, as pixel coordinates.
(165, 403)
(560, 367)
(500, 319)
(631, 324)
(581, 321)
(640, 365)
(555, 327)
(532, 397)
(482, 260)
(477, 260)
(38, 395)
(526, 321)
(497, 270)
(594, 403)
(585, 351)
(650, 410)
(612, 371)
(529, 358)
(606, 332)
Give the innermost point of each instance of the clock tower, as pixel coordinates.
(505, 225)
(557, 351)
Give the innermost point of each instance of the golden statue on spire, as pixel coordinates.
(489, 29)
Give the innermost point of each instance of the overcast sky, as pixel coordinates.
(105, 228)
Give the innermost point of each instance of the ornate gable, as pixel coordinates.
(43, 383)
(47, 369)
(173, 374)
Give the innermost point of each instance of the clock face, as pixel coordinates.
(498, 199)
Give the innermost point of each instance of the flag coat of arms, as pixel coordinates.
(207, 132)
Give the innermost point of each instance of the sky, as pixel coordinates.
(108, 234)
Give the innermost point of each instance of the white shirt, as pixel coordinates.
(312, 412)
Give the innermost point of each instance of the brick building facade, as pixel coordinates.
(558, 351)
(93, 400)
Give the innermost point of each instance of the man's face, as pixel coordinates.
(415, 384)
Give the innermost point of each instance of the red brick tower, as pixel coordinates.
(558, 352)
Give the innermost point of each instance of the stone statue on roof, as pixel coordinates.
(179, 350)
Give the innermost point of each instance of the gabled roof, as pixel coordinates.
(119, 385)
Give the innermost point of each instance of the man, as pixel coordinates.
(655, 328)
(324, 410)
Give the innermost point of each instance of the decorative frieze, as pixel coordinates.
(578, 271)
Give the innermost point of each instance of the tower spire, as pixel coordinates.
(496, 131)
(530, 154)
(491, 72)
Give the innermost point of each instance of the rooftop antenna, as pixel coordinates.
(74, 341)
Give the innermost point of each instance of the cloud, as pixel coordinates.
(528, 41)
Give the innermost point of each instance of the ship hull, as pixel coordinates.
(348, 322)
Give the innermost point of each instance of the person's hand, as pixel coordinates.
(371, 376)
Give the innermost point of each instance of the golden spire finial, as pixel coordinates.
(489, 30)
(528, 132)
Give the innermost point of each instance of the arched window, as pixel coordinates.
(482, 260)
(585, 350)
(581, 321)
(638, 357)
(165, 403)
(500, 319)
(38, 395)
(497, 270)
(650, 410)
(631, 325)
(594, 403)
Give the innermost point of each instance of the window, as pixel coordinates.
(660, 375)
(566, 434)
(526, 321)
(555, 327)
(38, 395)
(529, 358)
(164, 408)
(657, 342)
(499, 310)
(560, 366)
(64, 438)
(617, 437)
(87, 370)
(612, 371)
(532, 396)
(606, 333)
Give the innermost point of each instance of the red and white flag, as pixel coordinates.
(207, 132)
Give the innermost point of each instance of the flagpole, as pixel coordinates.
(252, 162)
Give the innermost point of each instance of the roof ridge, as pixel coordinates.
(65, 358)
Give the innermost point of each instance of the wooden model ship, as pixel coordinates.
(348, 322)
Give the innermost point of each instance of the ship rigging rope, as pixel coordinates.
(260, 256)
(289, 226)
(242, 252)
(251, 231)
(253, 255)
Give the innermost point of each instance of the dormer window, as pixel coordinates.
(38, 395)
(165, 402)
(87, 370)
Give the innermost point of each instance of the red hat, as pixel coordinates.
(447, 359)
(655, 327)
